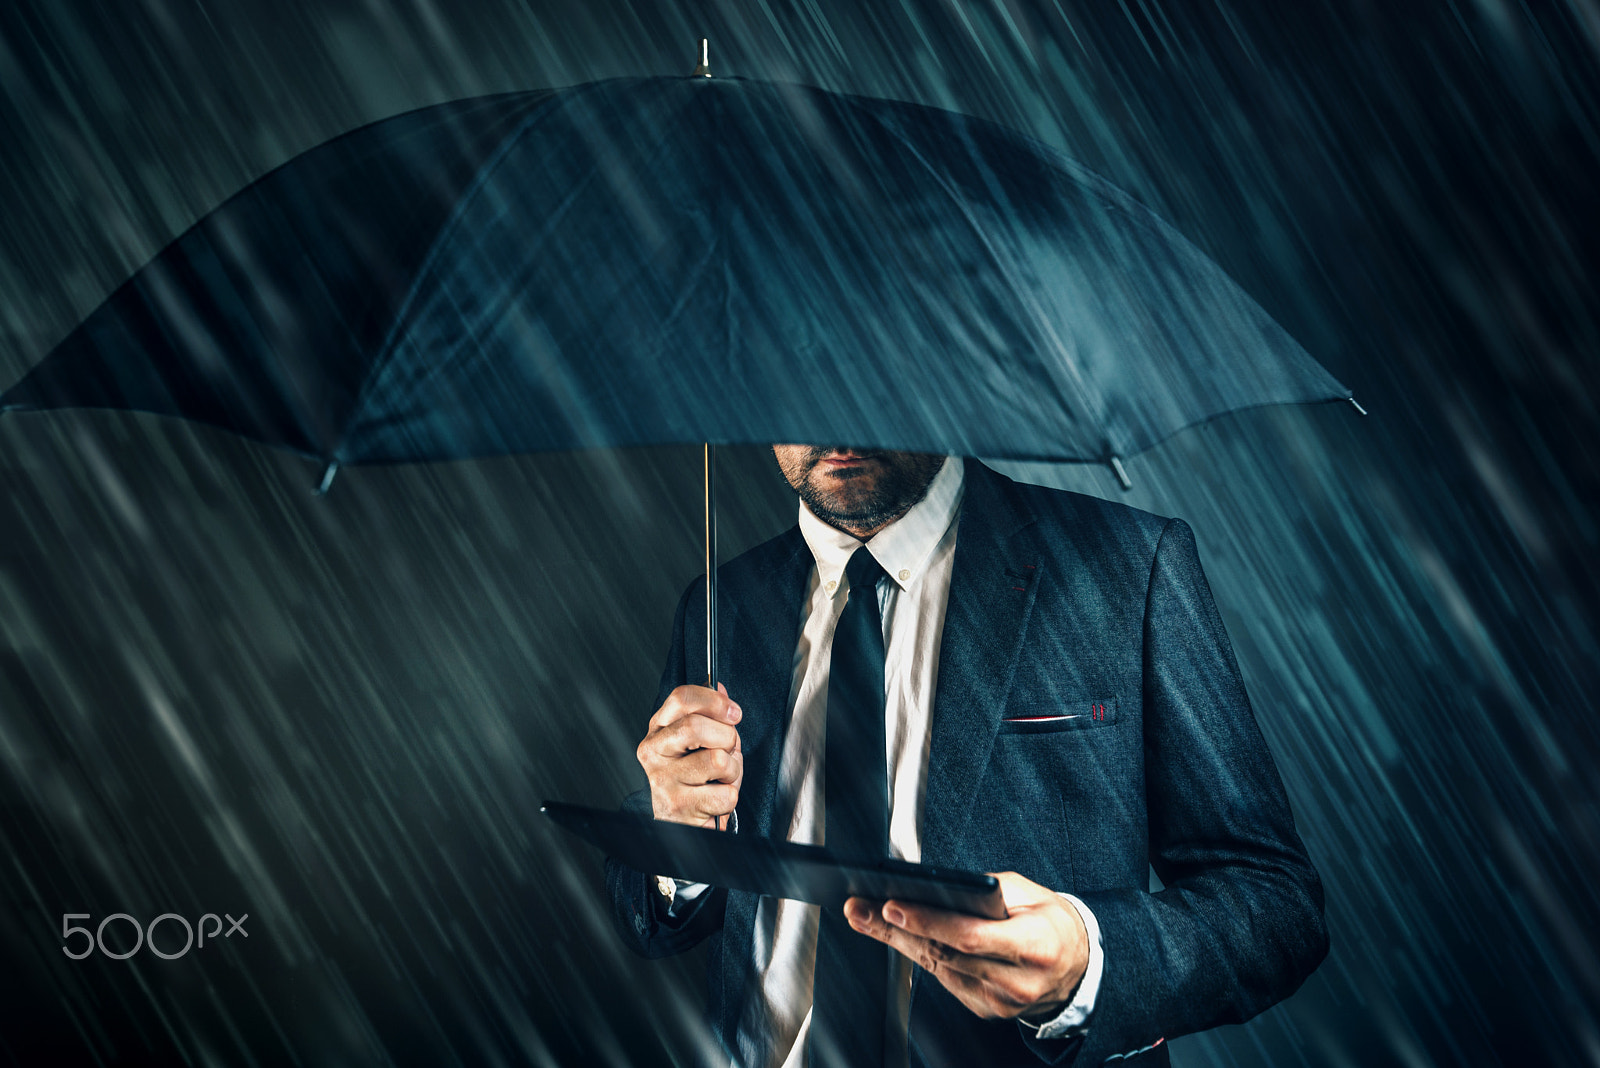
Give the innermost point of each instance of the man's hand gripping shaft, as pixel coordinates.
(692, 757)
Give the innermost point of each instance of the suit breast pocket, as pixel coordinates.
(1082, 715)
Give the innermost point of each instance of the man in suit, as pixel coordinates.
(1060, 704)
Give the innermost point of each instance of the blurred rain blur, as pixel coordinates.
(220, 694)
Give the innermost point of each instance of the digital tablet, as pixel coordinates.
(772, 867)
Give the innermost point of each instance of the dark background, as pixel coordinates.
(219, 694)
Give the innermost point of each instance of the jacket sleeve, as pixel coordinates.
(1239, 924)
(637, 907)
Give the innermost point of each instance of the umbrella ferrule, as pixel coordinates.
(704, 69)
(1121, 472)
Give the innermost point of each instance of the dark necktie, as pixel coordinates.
(850, 988)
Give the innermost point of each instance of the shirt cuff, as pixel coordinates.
(1074, 1019)
(679, 893)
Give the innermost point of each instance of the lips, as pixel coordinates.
(845, 457)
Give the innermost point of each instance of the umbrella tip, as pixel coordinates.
(1360, 410)
(704, 69)
(1121, 473)
(327, 479)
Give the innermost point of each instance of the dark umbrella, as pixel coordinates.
(644, 261)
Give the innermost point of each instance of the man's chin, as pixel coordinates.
(847, 512)
(846, 498)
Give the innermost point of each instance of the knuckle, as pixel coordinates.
(714, 800)
(967, 942)
(700, 731)
(1017, 996)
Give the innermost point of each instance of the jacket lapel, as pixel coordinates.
(992, 588)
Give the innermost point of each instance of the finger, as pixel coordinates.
(696, 700)
(708, 803)
(989, 987)
(735, 713)
(691, 733)
(970, 993)
(1017, 939)
(1019, 892)
(866, 917)
(698, 805)
(1006, 940)
(705, 766)
(935, 959)
(1027, 958)
(1009, 989)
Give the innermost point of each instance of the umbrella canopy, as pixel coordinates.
(692, 259)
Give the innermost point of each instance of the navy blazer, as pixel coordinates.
(1059, 604)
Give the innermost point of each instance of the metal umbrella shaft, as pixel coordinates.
(711, 568)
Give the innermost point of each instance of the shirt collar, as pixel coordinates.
(902, 548)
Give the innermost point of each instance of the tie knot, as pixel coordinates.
(862, 570)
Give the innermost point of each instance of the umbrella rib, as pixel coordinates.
(386, 350)
(411, 384)
(963, 211)
(1111, 199)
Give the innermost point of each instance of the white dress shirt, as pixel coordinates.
(917, 553)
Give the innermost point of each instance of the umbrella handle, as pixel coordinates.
(711, 568)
